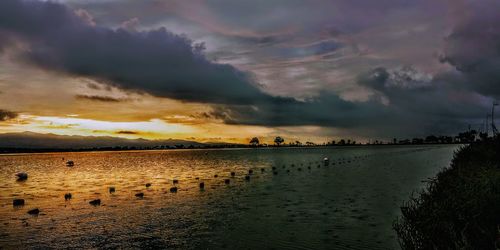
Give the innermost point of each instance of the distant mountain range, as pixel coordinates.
(30, 140)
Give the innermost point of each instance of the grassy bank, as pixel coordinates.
(460, 207)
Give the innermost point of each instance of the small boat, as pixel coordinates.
(70, 163)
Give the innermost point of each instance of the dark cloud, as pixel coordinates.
(324, 110)
(156, 61)
(127, 132)
(473, 48)
(99, 98)
(407, 101)
(421, 103)
(7, 115)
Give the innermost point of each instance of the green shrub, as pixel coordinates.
(460, 207)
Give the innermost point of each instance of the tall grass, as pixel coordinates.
(460, 207)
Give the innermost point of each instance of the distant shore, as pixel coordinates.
(29, 142)
(228, 146)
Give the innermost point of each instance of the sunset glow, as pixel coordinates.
(217, 74)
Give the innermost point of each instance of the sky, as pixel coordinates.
(228, 70)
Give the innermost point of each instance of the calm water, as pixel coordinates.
(349, 205)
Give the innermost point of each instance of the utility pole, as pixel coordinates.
(493, 127)
(487, 127)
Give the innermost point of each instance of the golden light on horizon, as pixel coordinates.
(156, 129)
(152, 129)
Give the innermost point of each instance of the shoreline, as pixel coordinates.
(15, 151)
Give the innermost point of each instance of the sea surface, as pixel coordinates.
(349, 204)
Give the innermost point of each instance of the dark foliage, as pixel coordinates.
(460, 208)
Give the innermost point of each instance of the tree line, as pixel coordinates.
(463, 138)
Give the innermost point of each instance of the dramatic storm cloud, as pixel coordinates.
(380, 68)
(156, 61)
(164, 64)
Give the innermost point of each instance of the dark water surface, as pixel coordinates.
(349, 205)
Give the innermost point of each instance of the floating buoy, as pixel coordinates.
(95, 203)
(70, 163)
(22, 176)
(35, 211)
(67, 196)
(18, 202)
(326, 161)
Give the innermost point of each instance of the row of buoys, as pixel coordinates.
(22, 176)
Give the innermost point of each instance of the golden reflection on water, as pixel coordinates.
(318, 206)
